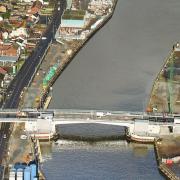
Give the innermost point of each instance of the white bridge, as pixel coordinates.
(46, 121)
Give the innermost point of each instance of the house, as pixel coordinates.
(27, 1)
(3, 9)
(2, 71)
(5, 35)
(21, 42)
(100, 7)
(9, 53)
(36, 7)
(35, 18)
(22, 32)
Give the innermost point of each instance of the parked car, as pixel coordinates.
(23, 136)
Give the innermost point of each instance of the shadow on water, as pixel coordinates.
(90, 132)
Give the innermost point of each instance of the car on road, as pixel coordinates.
(23, 136)
(4, 136)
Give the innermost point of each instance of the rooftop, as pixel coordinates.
(72, 23)
(8, 53)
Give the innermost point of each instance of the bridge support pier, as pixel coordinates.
(41, 129)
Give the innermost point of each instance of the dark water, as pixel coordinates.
(107, 160)
(115, 71)
(90, 131)
(117, 159)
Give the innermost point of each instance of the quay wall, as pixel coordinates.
(167, 173)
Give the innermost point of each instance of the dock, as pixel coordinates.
(163, 168)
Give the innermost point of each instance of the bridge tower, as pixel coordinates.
(41, 129)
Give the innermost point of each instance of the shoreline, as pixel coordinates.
(164, 167)
(62, 67)
(157, 79)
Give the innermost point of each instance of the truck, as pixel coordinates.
(100, 114)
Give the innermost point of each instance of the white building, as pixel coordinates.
(19, 32)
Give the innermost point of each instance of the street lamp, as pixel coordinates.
(51, 89)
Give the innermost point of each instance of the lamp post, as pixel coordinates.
(51, 91)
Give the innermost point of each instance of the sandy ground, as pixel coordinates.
(170, 147)
(19, 149)
(57, 54)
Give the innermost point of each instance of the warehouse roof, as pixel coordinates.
(72, 23)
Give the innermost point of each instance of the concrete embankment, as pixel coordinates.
(71, 51)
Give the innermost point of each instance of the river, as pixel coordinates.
(104, 160)
(115, 71)
(116, 68)
(101, 161)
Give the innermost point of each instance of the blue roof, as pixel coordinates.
(8, 58)
(72, 23)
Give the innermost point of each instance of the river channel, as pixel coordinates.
(116, 68)
(114, 71)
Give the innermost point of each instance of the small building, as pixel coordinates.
(19, 32)
(100, 7)
(72, 23)
(9, 53)
(3, 9)
(1, 19)
(2, 71)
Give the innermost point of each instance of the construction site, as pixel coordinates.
(165, 94)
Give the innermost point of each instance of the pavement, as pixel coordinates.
(35, 91)
(19, 149)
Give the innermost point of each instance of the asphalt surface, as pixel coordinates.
(25, 74)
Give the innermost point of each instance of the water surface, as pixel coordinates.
(114, 160)
(115, 71)
(116, 68)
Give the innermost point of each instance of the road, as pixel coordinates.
(26, 72)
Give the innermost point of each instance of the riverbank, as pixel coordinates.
(165, 94)
(58, 56)
(164, 98)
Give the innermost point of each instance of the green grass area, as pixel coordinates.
(71, 14)
(19, 64)
(46, 10)
(6, 15)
